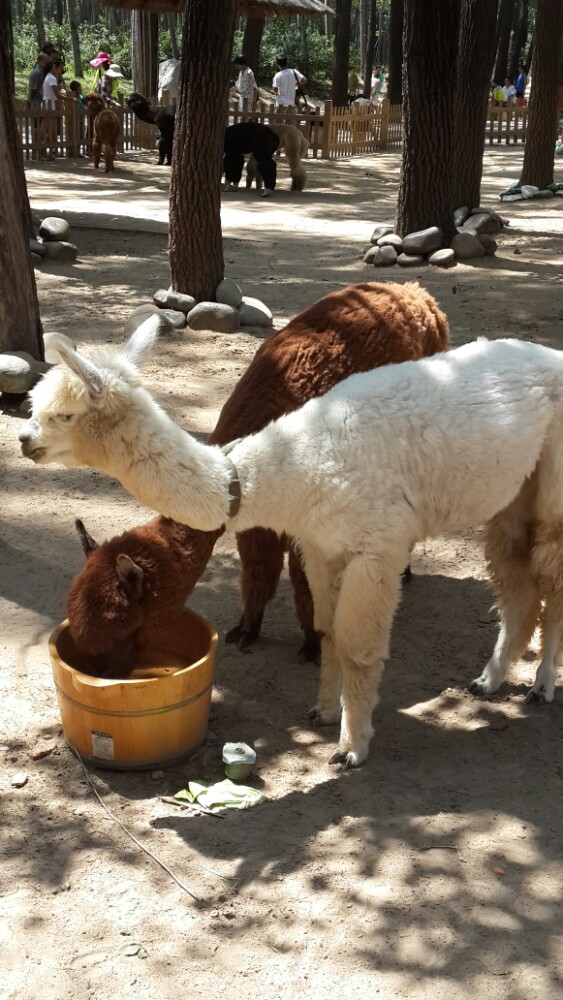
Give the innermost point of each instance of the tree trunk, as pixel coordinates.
(171, 18)
(144, 52)
(252, 39)
(370, 48)
(476, 55)
(504, 24)
(518, 39)
(76, 57)
(364, 22)
(341, 63)
(39, 24)
(430, 40)
(395, 86)
(20, 325)
(537, 167)
(196, 244)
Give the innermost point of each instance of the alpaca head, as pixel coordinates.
(105, 607)
(79, 404)
(138, 103)
(94, 102)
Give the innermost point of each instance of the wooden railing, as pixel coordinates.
(332, 132)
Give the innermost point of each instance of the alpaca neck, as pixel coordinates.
(166, 468)
(146, 115)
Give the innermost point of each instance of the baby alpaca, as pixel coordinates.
(295, 145)
(357, 477)
(354, 329)
(105, 125)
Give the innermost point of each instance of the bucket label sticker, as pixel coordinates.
(102, 745)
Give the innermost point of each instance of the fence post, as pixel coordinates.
(384, 124)
(71, 129)
(325, 152)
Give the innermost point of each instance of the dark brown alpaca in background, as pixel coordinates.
(105, 130)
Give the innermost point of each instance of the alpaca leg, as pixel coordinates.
(311, 648)
(544, 684)
(233, 163)
(267, 169)
(261, 558)
(97, 151)
(296, 168)
(507, 548)
(362, 626)
(161, 151)
(251, 172)
(324, 580)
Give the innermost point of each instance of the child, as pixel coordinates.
(76, 90)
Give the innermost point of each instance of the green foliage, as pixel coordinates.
(310, 52)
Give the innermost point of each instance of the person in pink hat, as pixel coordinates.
(101, 63)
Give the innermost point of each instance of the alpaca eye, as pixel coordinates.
(64, 417)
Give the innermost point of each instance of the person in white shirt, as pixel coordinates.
(285, 83)
(509, 92)
(246, 84)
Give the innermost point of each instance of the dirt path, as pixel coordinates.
(435, 871)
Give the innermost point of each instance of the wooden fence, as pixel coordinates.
(332, 132)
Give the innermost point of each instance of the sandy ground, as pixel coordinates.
(434, 871)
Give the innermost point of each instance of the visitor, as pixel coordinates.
(353, 85)
(377, 82)
(50, 50)
(246, 87)
(498, 93)
(508, 93)
(104, 86)
(52, 97)
(101, 63)
(34, 98)
(285, 83)
(521, 81)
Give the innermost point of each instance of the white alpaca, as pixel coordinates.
(358, 476)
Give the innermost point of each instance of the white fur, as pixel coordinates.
(383, 460)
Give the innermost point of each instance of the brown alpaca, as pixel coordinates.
(105, 125)
(295, 145)
(131, 584)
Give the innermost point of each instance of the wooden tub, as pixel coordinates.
(155, 717)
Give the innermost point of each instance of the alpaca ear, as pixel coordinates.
(139, 346)
(130, 576)
(86, 371)
(86, 540)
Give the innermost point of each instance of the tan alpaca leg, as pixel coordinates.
(547, 563)
(97, 151)
(508, 552)
(364, 614)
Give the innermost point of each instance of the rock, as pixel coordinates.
(19, 371)
(410, 260)
(370, 254)
(380, 231)
(141, 313)
(488, 243)
(466, 245)
(512, 197)
(483, 223)
(61, 251)
(165, 298)
(423, 241)
(19, 779)
(228, 293)
(391, 240)
(36, 246)
(213, 316)
(36, 259)
(252, 312)
(160, 298)
(174, 318)
(384, 256)
(443, 258)
(460, 215)
(54, 229)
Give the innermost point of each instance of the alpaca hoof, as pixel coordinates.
(317, 717)
(242, 638)
(483, 686)
(539, 695)
(347, 758)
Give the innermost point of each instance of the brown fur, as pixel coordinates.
(105, 124)
(355, 329)
(295, 145)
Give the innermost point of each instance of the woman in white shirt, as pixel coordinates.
(285, 83)
(508, 92)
